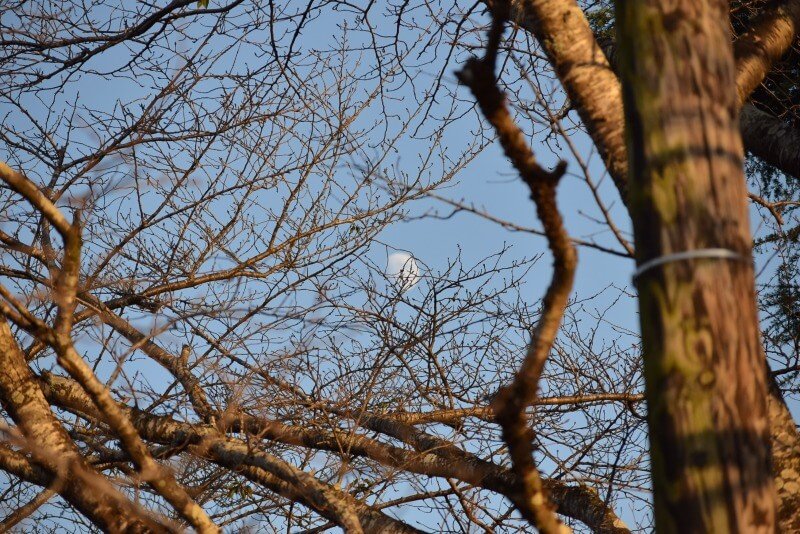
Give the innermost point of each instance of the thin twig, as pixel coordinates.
(26, 510)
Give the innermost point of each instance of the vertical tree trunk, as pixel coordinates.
(704, 368)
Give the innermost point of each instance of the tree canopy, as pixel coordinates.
(200, 323)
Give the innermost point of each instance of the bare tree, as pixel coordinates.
(198, 330)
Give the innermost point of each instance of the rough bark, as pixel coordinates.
(585, 73)
(769, 37)
(562, 30)
(785, 462)
(705, 370)
(54, 454)
(772, 140)
(566, 42)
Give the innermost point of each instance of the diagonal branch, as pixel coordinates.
(54, 455)
(770, 35)
(26, 510)
(512, 402)
(562, 30)
(66, 290)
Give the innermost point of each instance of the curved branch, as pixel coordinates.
(562, 30)
(769, 37)
(511, 402)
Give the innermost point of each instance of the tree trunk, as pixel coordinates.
(704, 370)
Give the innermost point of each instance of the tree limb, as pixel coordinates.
(512, 402)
